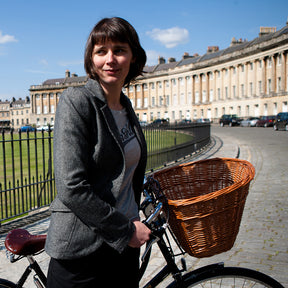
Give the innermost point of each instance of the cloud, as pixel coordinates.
(170, 37)
(7, 38)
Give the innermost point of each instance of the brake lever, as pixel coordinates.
(153, 239)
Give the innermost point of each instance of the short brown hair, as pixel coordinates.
(118, 30)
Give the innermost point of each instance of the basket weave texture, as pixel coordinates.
(206, 199)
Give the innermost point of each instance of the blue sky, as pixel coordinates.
(39, 40)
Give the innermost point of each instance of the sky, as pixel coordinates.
(40, 40)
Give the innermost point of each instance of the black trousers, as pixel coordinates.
(104, 268)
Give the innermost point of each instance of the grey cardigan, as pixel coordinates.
(89, 167)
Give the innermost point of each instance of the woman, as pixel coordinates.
(100, 155)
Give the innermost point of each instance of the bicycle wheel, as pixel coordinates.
(7, 284)
(228, 277)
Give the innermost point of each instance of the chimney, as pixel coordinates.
(171, 59)
(67, 74)
(186, 55)
(212, 49)
(266, 30)
(161, 60)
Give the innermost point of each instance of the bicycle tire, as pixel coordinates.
(7, 284)
(229, 277)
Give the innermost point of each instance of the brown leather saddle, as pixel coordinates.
(21, 242)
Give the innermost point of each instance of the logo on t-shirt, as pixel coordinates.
(126, 133)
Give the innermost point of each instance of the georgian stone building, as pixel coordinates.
(20, 111)
(45, 97)
(249, 78)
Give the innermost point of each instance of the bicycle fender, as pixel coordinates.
(195, 273)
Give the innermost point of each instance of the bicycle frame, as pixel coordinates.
(156, 219)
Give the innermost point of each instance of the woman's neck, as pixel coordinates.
(112, 95)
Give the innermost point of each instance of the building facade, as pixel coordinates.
(45, 97)
(20, 111)
(4, 115)
(249, 78)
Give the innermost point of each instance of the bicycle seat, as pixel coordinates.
(21, 242)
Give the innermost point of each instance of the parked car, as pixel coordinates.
(203, 120)
(265, 121)
(160, 122)
(229, 119)
(281, 121)
(45, 128)
(249, 122)
(26, 128)
(143, 123)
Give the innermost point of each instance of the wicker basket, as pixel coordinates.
(206, 200)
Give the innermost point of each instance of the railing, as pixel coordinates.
(186, 140)
(27, 176)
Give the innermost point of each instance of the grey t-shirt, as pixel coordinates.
(125, 201)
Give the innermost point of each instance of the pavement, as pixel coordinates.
(260, 244)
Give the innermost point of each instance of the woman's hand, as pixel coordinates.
(140, 236)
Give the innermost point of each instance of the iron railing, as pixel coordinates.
(27, 176)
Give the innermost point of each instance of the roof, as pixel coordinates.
(67, 80)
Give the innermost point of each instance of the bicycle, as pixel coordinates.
(154, 207)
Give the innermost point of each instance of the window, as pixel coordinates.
(138, 88)
(260, 64)
(160, 100)
(167, 100)
(219, 93)
(279, 59)
(189, 98)
(204, 96)
(182, 99)
(226, 92)
(211, 95)
(234, 91)
(196, 97)
(251, 88)
(145, 86)
(269, 85)
(138, 102)
(251, 66)
(260, 87)
(145, 102)
(242, 90)
(175, 100)
(269, 62)
(278, 84)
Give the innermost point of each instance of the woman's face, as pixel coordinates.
(112, 63)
